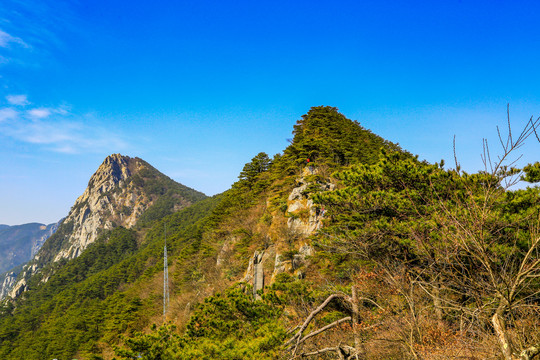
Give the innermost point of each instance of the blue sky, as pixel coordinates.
(197, 88)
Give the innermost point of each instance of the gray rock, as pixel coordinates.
(298, 202)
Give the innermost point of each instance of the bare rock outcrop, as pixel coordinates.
(22, 242)
(305, 218)
(7, 283)
(48, 231)
(110, 200)
(293, 263)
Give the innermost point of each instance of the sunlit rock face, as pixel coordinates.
(110, 200)
(7, 283)
(306, 218)
(118, 194)
(48, 230)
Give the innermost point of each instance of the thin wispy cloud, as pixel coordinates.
(46, 133)
(12, 49)
(57, 130)
(31, 31)
(40, 113)
(7, 40)
(20, 100)
(8, 114)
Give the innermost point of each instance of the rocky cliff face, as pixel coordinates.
(47, 233)
(108, 201)
(120, 192)
(6, 284)
(304, 219)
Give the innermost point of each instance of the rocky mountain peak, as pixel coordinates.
(116, 166)
(118, 193)
(114, 170)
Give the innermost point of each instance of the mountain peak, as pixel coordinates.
(116, 158)
(114, 169)
(122, 191)
(118, 164)
(328, 137)
(118, 193)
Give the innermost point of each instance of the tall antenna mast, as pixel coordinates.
(165, 277)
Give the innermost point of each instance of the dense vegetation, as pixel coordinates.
(413, 261)
(228, 325)
(99, 295)
(460, 249)
(327, 136)
(168, 193)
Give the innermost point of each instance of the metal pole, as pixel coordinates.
(165, 277)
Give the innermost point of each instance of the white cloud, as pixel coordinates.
(7, 39)
(20, 100)
(59, 130)
(45, 133)
(61, 110)
(65, 149)
(39, 113)
(8, 114)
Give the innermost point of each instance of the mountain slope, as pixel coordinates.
(107, 291)
(405, 259)
(123, 192)
(257, 232)
(18, 244)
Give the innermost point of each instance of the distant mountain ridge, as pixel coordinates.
(20, 243)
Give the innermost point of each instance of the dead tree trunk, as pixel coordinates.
(342, 351)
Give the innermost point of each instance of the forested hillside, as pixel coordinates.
(344, 246)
